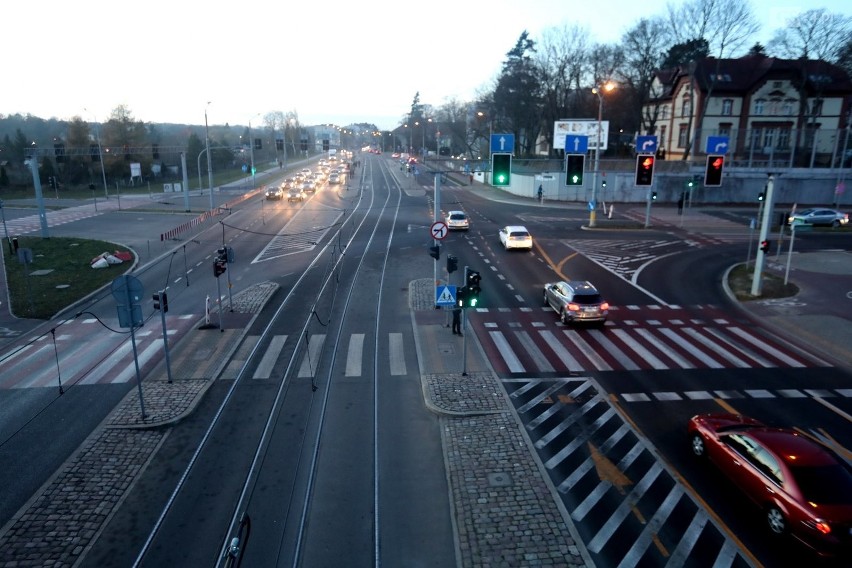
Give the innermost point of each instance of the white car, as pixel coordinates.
(516, 237)
(457, 221)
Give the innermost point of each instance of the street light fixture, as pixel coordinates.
(606, 87)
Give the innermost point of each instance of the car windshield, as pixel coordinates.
(825, 484)
(588, 299)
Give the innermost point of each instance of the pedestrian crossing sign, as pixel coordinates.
(445, 295)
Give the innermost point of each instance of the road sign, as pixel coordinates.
(502, 143)
(438, 230)
(581, 127)
(717, 145)
(576, 144)
(646, 144)
(445, 295)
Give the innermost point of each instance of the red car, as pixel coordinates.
(804, 488)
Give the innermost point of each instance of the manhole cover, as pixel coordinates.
(499, 479)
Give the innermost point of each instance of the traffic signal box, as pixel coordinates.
(645, 170)
(471, 292)
(575, 165)
(713, 172)
(501, 170)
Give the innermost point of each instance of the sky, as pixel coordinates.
(330, 61)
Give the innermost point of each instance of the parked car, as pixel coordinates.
(296, 194)
(802, 486)
(457, 221)
(828, 217)
(515, 236)
(275, 193)
(576, 302)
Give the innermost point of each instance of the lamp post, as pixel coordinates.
(209, 160)
(597, 90)
(100, 154)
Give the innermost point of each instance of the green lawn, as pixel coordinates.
(60, 274)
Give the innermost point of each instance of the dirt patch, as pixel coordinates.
(772, 286)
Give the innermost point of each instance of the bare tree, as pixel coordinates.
(727, 25)
(643, 46)
(813, 34)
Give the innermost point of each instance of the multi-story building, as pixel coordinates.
(776, 112)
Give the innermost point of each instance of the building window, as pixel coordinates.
(768, 137)
(727, 107)
(787, 108)
(686, 109)
(816, 107)
(776, 84)
(758, 106)
(783, 139)
(662, 136)
(664, 112)
(725, 129)
(681, 136)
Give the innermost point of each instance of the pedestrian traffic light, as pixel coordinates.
(460, 297)
(764, 246)
(161, 301)
(156, 301)
(435, 252)
(219, 268)
(760, 196)
(644, 170)
(690, 183)
(653, 196)
(713, 172)
(472, 289)
(575, 164)
(452, 263)
(501, 170)
(603, 184)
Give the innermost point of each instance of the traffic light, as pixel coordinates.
(603, 184)
(460, 297)
(325, 145)
(644, 170)
(575, 164)
(155, 151)
(51, 182)
(713, 173)
(653, 196)
(760, 196)
(690, 183)
(59, 153)
(501, 170)
(764, 246)
(95, 152)
(435, 252)
(161, 301)
(219, 268)
(452, 263)
(472, 289)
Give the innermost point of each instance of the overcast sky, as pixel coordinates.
(351, 61)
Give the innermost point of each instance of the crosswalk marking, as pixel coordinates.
(264, 369)
(587, 350)
(354, 355)
(397, 356)
(645, 354)
(538, 357)
(309, 362)
(567, 359)
(506, 352)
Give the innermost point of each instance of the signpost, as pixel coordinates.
(438, 230)
(502, 143)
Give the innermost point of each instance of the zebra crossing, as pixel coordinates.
(636, 338)
(79, 352)
(310, 356)
(629, 509)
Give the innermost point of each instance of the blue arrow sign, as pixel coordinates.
(502, 143)
(445, 295)
(576, 144)
(717, 145)
(646, 144)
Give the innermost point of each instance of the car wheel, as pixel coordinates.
(545, 303)
(698, 447)
(776, 521)
(835, 223)
(564, 316)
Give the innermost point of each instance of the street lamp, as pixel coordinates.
(607, 87)
(209, 157)
(100, 154)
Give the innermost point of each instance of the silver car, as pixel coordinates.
(829, 217)
(576, 302)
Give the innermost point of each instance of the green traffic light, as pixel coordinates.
(576, 180)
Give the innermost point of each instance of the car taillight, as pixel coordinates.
(573, 307)
(605, 306)
(819, 525)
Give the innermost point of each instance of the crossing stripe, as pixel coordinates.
(567, 359)
(587, 350)
(614, 351)
(354, 356)
(506, 352)
(311, 360)
(766, 347)
(538, 357)
(397, 355)
(264, 369)
(649, 336)
(639, 349)
(704, 340)
(691, 349)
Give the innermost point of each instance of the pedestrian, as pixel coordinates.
(457, 321)
(680, 204)
(540, 192)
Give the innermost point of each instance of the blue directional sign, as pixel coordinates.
(502, 143)
(445, 295)
(717, 145)
(646, 144)
(576, 144)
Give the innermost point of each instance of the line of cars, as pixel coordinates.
(297, 187)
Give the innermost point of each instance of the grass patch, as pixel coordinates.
(70, 276)
(740, 279)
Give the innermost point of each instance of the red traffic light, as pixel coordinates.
(648, 162)
(644, 170)
(764, 246)
(713, 171)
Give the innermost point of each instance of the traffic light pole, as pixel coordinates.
(764, 231)
(162, 295)
(437, 217)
